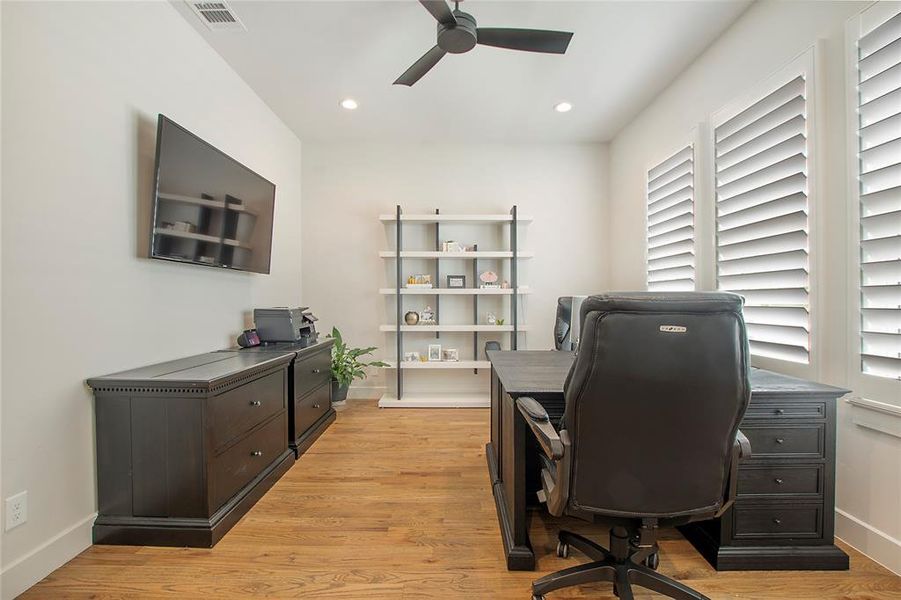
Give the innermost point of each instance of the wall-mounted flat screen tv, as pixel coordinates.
(208, 208)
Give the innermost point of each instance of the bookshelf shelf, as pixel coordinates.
(508, 298)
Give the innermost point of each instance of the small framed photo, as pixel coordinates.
(435, 352)
(451, 354)
(456, 281)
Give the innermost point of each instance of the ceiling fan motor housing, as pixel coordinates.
(459, 38)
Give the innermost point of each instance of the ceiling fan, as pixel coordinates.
(458, 33)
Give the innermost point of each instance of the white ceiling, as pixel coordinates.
(302, 58)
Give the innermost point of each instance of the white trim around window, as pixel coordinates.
(873, 76)
(763, 141)
(670, 232)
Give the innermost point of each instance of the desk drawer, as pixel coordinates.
(785, 441)
(787, 410)
(782, 521)
(779, 480)
(237, 466)
(310, 408)
(311, 371)
(239, 410)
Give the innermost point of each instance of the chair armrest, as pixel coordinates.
(537, 419)
(744, 445)
(741, 450)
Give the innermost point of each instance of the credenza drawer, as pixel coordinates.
(778, 521)
(310, 408)
(237, 466)
(239, 410)
(311, 371)
(778, 480)
(787, 410)
(785, 441)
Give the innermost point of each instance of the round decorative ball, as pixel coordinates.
(411, 318)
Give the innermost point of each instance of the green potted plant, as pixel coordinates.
(347, 366)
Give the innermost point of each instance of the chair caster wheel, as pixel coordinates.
(652, 561)
(562, 550)
(537, 597)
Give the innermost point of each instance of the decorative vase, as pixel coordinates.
(339, 392)
(411, 318)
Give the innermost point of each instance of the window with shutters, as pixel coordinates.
(762, 226)
(878, 79)
(670, 223)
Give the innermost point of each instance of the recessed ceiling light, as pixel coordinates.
(562, 107)
(349, 104)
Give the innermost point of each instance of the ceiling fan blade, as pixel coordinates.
(421, 67)
(531, 40)
(440, 10)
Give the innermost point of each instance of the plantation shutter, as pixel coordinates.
(671, 229)
(879, 154)
(761, 163)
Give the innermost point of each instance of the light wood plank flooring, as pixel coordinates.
(396, 503)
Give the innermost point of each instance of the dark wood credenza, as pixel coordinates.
(783, 517)
(185, 448)
(310, 409)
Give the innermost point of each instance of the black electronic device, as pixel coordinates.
(249, 338)
(208, 208)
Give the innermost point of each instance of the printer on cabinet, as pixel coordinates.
(283, 324)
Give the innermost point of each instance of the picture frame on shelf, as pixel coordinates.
(456, 281)
(451, 355)
(435, 352)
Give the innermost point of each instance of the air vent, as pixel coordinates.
(218, 16)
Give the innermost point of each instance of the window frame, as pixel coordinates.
(882, 389)
(807, 65)
(690, 141)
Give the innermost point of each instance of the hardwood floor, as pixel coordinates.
(396, 503)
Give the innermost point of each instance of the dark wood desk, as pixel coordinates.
(784, 515)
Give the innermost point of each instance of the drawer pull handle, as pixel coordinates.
(317, 371)
(780, 441)
(777, 521)
(779, 481)
(780, 411)
(255, 403)
(257, 453)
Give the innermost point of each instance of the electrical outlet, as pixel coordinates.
(16, 510)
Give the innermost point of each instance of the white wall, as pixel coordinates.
(346, 186)
(83, 83)
(765, 38)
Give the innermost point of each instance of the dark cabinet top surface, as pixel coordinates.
(544, 372)
(203, 371)
(298, 348)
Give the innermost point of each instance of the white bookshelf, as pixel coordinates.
(443, 364)
(454, 291)
(440, 218)
(451, 387)
(451, 328)
(473, 255)
(436, 400)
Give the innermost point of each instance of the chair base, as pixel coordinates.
(623, 565)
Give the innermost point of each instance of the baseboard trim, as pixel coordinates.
(863, 537)
(365, 392)
(26, 571)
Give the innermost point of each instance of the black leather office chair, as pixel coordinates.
(649, 435)
(563, 322)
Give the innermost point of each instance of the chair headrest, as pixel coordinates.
(651, 302)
